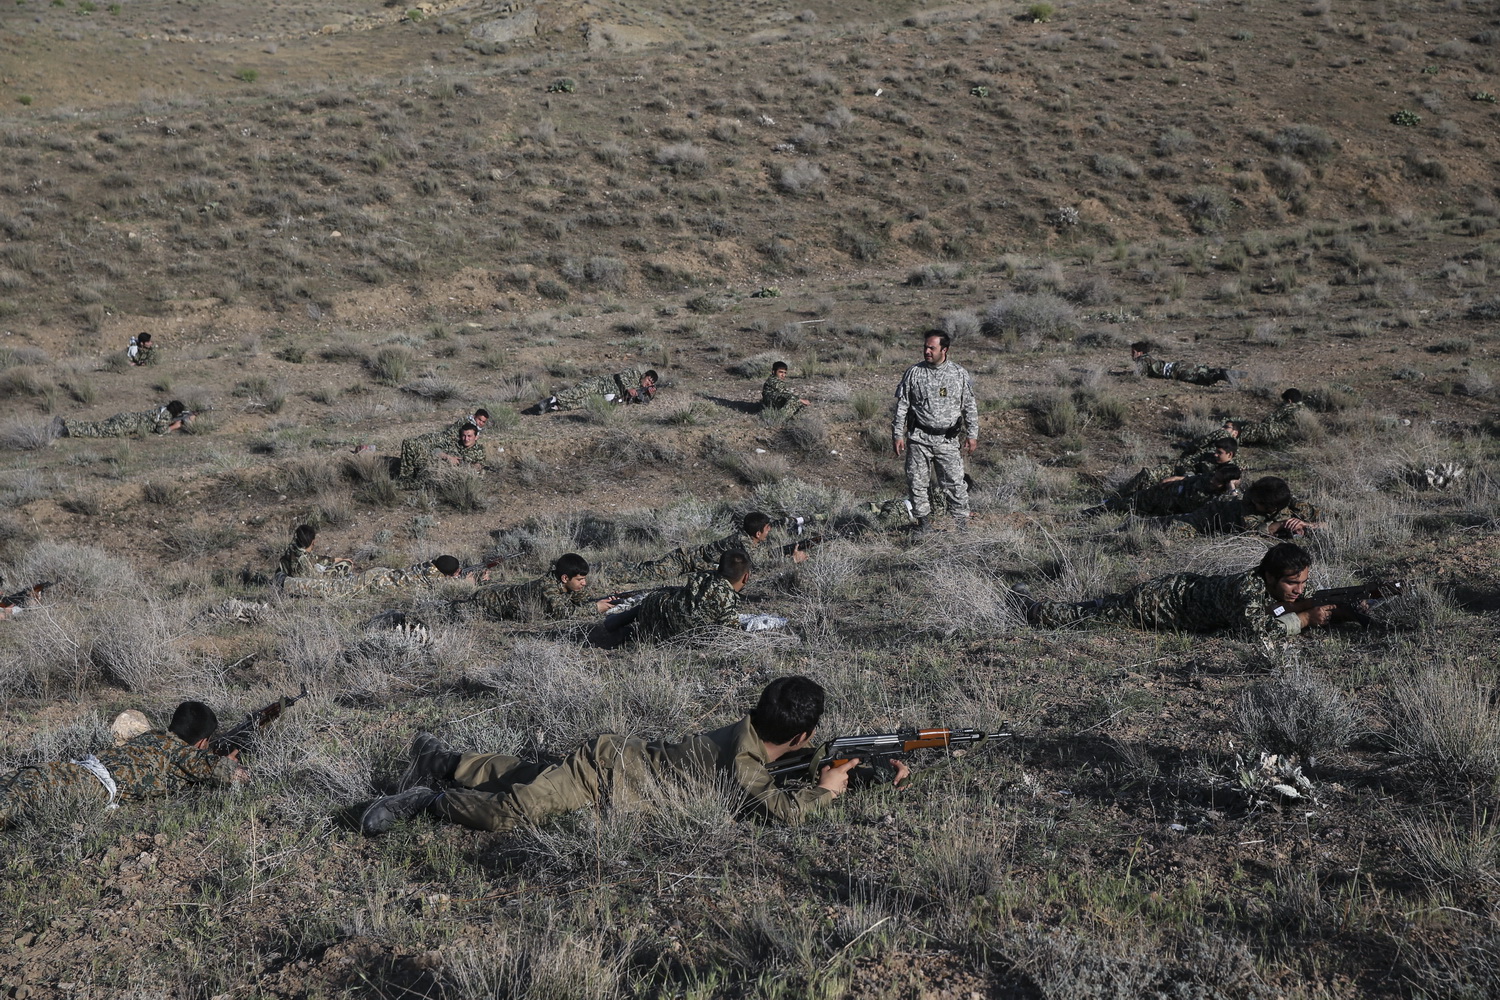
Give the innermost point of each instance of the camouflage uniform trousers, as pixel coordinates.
(928, 453)
(541, 599)
(120, 425)
(599, 386)
(1180, 602)
(500, 792)
(379, 578)
(1231, 514)
(1181, 371)
(299, 562)
(1169, 499)
(1276, 430)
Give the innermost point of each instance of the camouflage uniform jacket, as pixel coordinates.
(1179, 371)
(617, 386)
(1181, 497)
(542, 599)
(705, 601)
(1227, 515)
(776, 393)
(937, 401)
(419, 454)
(157, 421)
(297, 561)
(150, 765)
(1187, 602)
(1275, 430)
(693, 559)
(380, 577)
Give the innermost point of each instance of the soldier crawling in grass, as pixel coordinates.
(1278, 429)
(297, 559)
(935, 405)
(629, 386)
(422, 455)
(1174, 495)
(556, 596)
(1220, 450)
(1146, 365)
(1245, 604)
(706, 604)
(426, 574)
(777, 394)
(496, 792)
(141, 351)
(1267, 508)
(150, 765)
(755, 528)
(175, 416)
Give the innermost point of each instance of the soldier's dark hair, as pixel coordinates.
(788, 707)
(1292, 396)
(753, 522)
(469, 427)
(446, 565)
(1269, 493)
(1224, 474)
(1283, 560)
(176, 408)
(779, 366)
(734, 564)
(192, 721)
(481, 412)
(142, 339)
(571, 564)
(943, 339)
(651, 374)
(1228, 444)
(305, 535)
(1144, 346)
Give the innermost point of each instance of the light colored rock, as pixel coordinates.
(521, 24)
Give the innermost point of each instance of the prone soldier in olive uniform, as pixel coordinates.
(151, 765)
(1262, 603)
(297, 559)
(172, 417)
(1178, 371)
(629, 386)
(420, 454)
(934, 405)
(1267, 508)
(424, 574)
(499, 793)
(776, 393)
(554, 597)
(754, 529)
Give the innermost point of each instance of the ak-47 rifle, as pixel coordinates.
(625, 595)
(802, 544)
(244, 735)
(1349, 598)
(876, 748)
(478, 569)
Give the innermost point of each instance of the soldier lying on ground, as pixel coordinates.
(420, 455)
(141, 351)
(629, 386)
(27, 597)
(1267, 508)
(500, 793)
(776, 393)
(480, 418)
(754, 529)
(150, 765)
(705, 604)
(297, 559)
(553, 597)
(1221, 450)
(1178, 371)
(1242, 603)
(1174, 495)
(1276, 430)
(425, 574)
(172, 417)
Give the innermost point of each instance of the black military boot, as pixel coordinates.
(431, 762)
(388, 810)
(924, 525)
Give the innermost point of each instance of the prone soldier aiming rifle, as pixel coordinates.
(246, 734)
(1349, 603)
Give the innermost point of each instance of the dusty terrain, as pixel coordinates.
(346, 224)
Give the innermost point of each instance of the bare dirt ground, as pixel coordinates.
(346, 224)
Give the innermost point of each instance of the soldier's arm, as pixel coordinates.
(783, 805)
(971, 412)
(903, 404)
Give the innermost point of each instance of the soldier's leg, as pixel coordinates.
(949, 459)
(562, 788)
(497, 772)
(1197, 374)
(918, 475)
(84, 429)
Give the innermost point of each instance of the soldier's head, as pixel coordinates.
(756, 526)
(1284, 568)
(1292, 396)
(779, 369)
(572, 572)
(1223, 478)
(935, 347)
(734, 566)
(304, 536)
(176, 408)
(447, 565)
(1139, 349)
(1232, 430)
(1268, 494)
(143, 341)
(1225, 449)
(649, 380)
(467, 435)
(481, 418)
(193, 722)
(788, 711)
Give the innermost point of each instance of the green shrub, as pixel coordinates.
(1040, 13)
(247, 75)
(1406, 117)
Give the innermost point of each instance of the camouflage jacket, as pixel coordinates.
(1231, 514)
(157, 421)
(297, 561)
(542, 599)
(692, 559)
(777, 392)
(1180, 497)
(937, 401)
(1192, 602)
(704, 602)
(1153, 368)
(614, 387)
(1275, 430)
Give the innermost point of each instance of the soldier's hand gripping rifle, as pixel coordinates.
(802, 544)
(245, 735)
(876, 749)
(1350, 601)
(477, 570)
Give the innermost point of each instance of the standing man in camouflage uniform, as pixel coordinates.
(1145, 364)
(1262, 603)
(420, 454)
(172, 417)
(150, 765)
(934, 405)
(705, 604)
(629, 386)
(754, 529)
(554, 597)
(499, 793)
(297, 558)
(776, 393)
